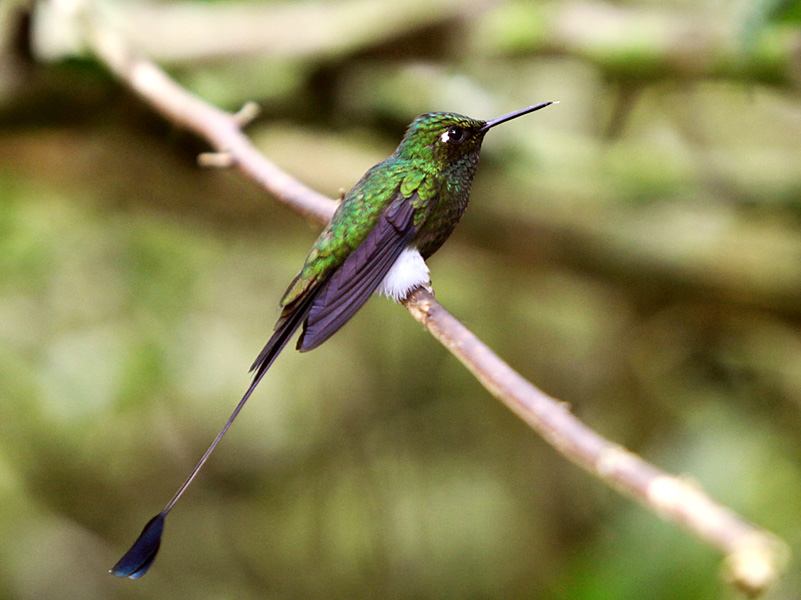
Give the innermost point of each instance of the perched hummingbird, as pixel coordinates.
(397, 215)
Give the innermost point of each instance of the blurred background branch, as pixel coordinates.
(658, 218)
(644, 43)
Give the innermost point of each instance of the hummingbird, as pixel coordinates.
(397, 215)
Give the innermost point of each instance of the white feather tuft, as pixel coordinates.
(409, 272)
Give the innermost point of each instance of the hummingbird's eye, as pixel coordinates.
(454, 135)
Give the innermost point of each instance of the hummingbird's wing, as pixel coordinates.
(352, 284)
(325, 307)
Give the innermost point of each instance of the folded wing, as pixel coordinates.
(354, 282)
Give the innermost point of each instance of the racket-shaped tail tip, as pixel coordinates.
(141, 555)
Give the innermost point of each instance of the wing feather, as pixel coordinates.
(360, 274)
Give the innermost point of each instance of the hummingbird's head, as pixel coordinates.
(449, 139)
(443, 138)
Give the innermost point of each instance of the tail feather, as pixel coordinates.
(141, 555)
(287, 325)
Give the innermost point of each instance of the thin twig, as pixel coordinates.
(754, 557)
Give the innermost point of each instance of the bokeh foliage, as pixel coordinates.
(635, 251)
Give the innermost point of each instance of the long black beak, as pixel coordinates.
(513, 115)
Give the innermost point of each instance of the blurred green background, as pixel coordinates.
(635, 251)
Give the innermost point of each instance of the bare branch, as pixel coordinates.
(754, 557)
(221, 129)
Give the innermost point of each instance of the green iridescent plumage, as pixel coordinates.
(435, 173)
(400, 212)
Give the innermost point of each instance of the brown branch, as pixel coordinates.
(754, 557)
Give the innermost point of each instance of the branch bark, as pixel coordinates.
(754, 558)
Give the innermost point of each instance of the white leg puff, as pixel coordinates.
(409, 272)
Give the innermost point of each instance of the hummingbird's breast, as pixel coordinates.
(448, 206)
